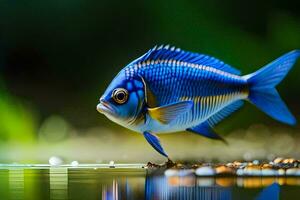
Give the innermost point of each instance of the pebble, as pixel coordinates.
(55, 161)
(230, 165)
(74, 163)
(185, 172)
(286, 163)
(268, 172)
(171, 172)
(255, 162)
(252, 171)
(111, 164)
(237, 163)
(293, 172)
(222, 170)
(266, 165)
(281, 172)
(277, 160)
(240, 172)
(205, 171)
(278, 167)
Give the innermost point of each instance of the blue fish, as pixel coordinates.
(170, 90)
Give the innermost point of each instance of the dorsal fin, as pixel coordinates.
(165, 52)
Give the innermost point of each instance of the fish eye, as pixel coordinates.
(120, 95)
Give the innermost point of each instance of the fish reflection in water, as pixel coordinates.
(189, 187)
(183, 188)
(111, 193)
(186, 188)
(271, 192)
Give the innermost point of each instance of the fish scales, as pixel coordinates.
(171, 82)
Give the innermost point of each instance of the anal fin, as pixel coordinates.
(206, 130)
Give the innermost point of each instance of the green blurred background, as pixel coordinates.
(57, 57)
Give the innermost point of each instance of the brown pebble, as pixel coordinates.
(224, 170)
(266, 166)
(250, 164)
(195, 166)
(291, 160)
(179, 165)
(253, 167)
(277, 160)
(229, 165)
(285, 161)
(237, 163)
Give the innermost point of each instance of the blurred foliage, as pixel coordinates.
(57, 57)
(17, 123)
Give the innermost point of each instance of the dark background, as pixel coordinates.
(57, 57)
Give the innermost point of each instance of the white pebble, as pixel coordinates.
(111, 164)
(255, 162)
(268, 172)
(252, 172)
(281, 172)
(74, 163)
(293, 172)
(171, 172)
(55, 161)
(205, 171)
(240, 172)
(185, 172)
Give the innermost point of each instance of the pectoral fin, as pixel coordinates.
(206, 130)
(155, 143)
(166, 114)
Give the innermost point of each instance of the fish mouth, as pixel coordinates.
(105, 108)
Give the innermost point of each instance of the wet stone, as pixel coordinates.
(293, 172)
(253, 170)
(255, 162)
(171, 172)
(185, 172)
(277, 160)
(240, 172)
(224, 170)
(286, 163)
(277, 167)
(269, 172)
(111, 164)
(281, 172)
(205, 171)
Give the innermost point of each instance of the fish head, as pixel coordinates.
(123, 100)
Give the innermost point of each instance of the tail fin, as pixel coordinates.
(262, 83)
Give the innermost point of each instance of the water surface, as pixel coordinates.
(134, 182)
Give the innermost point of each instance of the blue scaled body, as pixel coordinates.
(168, 90)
